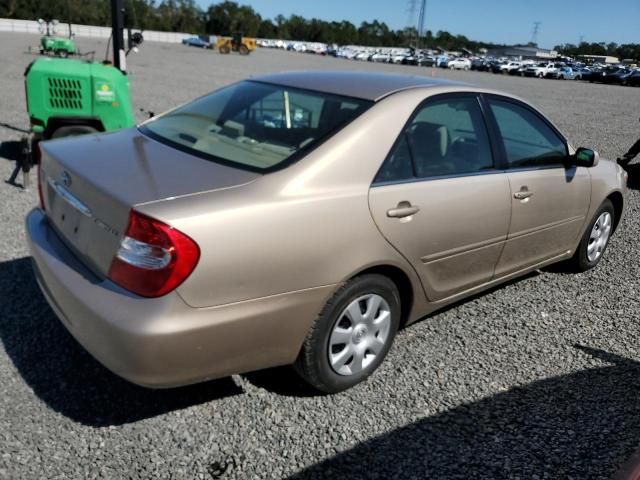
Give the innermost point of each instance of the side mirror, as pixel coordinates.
(584, 157)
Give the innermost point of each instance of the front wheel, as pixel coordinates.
(243, 50)
(595, 239)
(352, 334)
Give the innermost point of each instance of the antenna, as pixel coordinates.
(536, 30)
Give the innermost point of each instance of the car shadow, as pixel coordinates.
(65, 376)
(11, 150)
(281, 381)
(581, 425)
(634, 176)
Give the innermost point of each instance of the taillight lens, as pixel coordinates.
(153, 258)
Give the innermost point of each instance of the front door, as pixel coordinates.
(549, 201)
(440, 201)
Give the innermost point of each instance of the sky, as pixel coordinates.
(498, 21)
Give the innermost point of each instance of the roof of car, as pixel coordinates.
(365, 85)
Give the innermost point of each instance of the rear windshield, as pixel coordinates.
(253, 125)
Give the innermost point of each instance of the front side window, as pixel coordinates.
(254, 125)
(528, 141)
(445, 137)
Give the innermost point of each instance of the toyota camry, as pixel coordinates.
(303, 218)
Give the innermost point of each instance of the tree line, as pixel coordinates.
(625, 51)
(226, 17)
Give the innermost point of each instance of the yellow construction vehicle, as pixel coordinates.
(236, 43)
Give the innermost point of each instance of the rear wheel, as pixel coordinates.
(243, 50)
(595, 239)
(73, 131)
(352, 335)
(224, 49)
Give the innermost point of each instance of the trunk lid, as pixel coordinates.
(90, 184)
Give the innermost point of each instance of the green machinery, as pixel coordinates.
(63, 47)
(60, 46)
(73, 97)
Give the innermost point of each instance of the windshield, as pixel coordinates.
(253, 125)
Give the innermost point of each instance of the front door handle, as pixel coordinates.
(404, 209)
(523, 194)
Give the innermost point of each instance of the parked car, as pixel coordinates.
(490, 66)
(459, 64)
(566, 73)
(419, 59)
(540, 70)
(384, 57)
(511, 67)
(496, 67)
(552, 69)
(479, 64)
(618, 77)
(633, 79)
(582, 73)
(425, 61)
(196, 42)
(600, 75)
(213, 239)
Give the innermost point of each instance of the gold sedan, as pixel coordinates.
(302, 218)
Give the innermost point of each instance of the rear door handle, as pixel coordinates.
(404, 209)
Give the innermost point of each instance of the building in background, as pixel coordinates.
(523, 53)
(606, 59)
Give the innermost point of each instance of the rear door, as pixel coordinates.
(549, 202)
(440, 200)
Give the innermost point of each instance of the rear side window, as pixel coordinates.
(253, 125)
(445, 137)
(528, 140)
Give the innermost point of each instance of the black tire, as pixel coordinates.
(243, 50)
(73, 131)
(580, 262)
(224, 50)
(313, 363)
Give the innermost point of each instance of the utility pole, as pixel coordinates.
(423, 10)
(412, 6)
(534, 34)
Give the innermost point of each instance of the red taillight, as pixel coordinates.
(153, 258)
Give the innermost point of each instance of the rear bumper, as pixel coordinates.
(163, 342)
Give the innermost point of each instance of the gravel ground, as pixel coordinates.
(536, 379)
